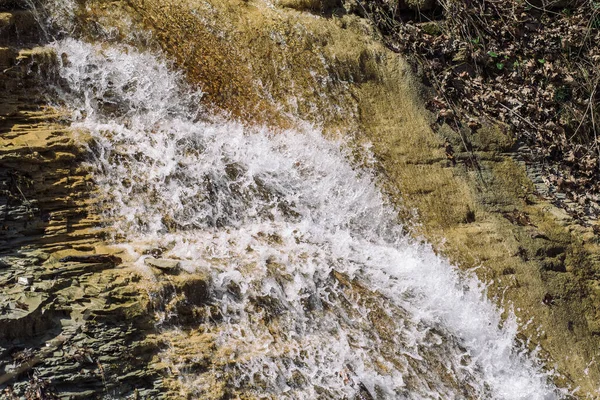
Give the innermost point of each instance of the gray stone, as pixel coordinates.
(162, 264)
(25, 280)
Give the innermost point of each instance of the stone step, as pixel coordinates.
(17, 26)
(26, 63)
(7, 57)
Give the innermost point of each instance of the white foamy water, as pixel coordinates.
(319, 292)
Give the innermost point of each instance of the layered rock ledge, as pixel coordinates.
(62, 306)
(316, 61)
(72, 309)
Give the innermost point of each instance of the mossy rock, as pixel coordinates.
(319, 6)
(493, 137)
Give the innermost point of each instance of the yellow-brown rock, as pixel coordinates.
(277, 64)
(63, 308)
(333, 71)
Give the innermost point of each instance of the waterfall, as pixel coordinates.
(319, 291)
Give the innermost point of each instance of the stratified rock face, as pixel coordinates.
(43, 184)
(74, 322)
(63, 309)
(88, 323)
(43, 196)
(331, 71)
(483, 210)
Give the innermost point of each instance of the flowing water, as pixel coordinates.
(318, 291)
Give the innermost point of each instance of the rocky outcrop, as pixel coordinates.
(93, 326)
(43, 184)
(481, 211)
(68, 315)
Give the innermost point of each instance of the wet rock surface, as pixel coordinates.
(162, 264)
(75, 327)
(71, 325)
(79, 324)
